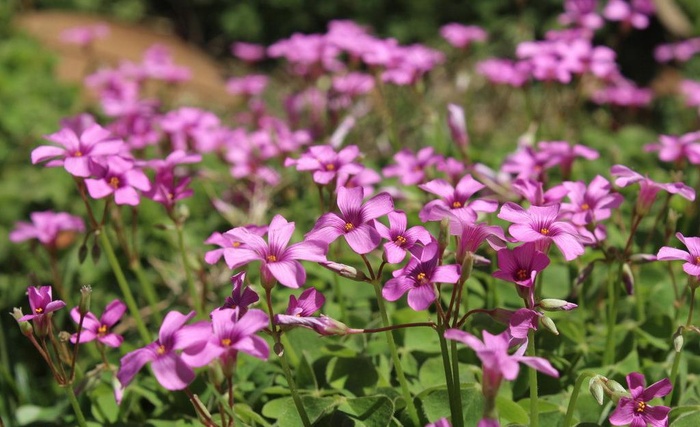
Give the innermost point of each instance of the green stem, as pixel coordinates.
(456, 387)
(80, 418)
(609, 355)
(673, 376)
(534, 410)
(197, 302)
(574, 396)
(293, 388)
(449, 378)
(148, 290)
(410, 407)
(124, 287)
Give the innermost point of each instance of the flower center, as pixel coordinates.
(102, 330)
(271, 258)
(330, 167)
(544, 230)
(421, 278)
(521, 274)
(114, 182)
(697, 259)
(585, 206)
(171, 196)
(400, 240)
(161, 350)
(349, 226)
(226, 342)
(456, 204)
(38, 310)
(236, 244)
(641, 406)
(78, 154)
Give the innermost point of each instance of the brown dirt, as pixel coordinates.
(124, 42)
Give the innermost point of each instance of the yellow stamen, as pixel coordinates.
(421, 278)
(456, 205)
(161, 350)
(521, 274)
(114, 182)
(39, 310)
(641, 406)
(226, 342)
(349, 226)
(330, 167)
(400, 240)
(544, 231)
(78, 154)
(271, 258)
(236, 244)
(585, 206)
(102, 330)
(697, 260)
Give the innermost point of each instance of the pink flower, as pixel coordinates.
(534, 193)
(581, 13)
(248, 52)
(278, 261)
(497, 363)
(79, 154)
(635, 411)
(504, 71)
(458, 126)
(158, 64)
(520, 266)
(228, 244)
(648, 189)
(192, 129)
(592, 203)
(353, 84)
(47, 227)
(399, 238)
(100, 329)
(542, 224)
(326, 164)
(231, 331)
(454, 198)
(354, 222)
(677, 148)
(410, 167)
(42, 303)
(461, 36)
(120, 180)
(419, 276)
(241, 296)
(623, 93)
(83, 36)
(309, 302)
(169, 368)
(250, 85)
(691, 258)
(633, 12)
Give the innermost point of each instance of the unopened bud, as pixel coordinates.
(642, 258)
(96, 252)
(345, 271)
(616, 387)
(24, 326)
(85, 297)
(595, 386)
(480, 260)
(82, 253)
(628, 278)
(693, 282)
(278, 348)
(584, 274)
(678, 340)
(467, 266)
(64, 336)
(323, 325)
(183, 212)
(551, 304)
(549, 324)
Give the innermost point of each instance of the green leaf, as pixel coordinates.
(27, 414)
(352, 374)
(370, 411)
(690, 420)
(284, 411)
(436, 404)
(247, 415)
(305, 376)
(511, 411)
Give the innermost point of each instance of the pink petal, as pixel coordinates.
(98, 188)
(421, 297)
(110, 340)
(239, 256)
(78, 166)
(46, 152)
(396, 287)
(569, 246)
(668, 254)
(363, 239)
(445, 274)
(132, 362)
(468, 339)
(126, 196)
(379, 205)
(439, 187)
(113, 312)
(255, 346)
(172, 323)
(172, 372)
(289, 273)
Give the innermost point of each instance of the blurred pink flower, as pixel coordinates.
(248, 52)
(461, 36)
(47, 227)
(84, 36)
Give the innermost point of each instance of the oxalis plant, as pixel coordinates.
(452, 292)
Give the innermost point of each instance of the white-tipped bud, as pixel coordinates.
(345, 271)
(551, 304)
(678, 340)
(549, 325)
(595, 386)
(616, 387)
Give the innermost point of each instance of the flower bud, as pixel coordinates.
(678, 340)
(345, 271)
(278, 348)
(584, 274)
(549, 324)
(628, 278)
(24, 326)
(642, 258)
(693, 282)
(551, 304)
(323, 325)
(467, 266)
(616, 387)
(84, 305)
(596, 388)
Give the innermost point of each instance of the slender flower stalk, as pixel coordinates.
(124, 286)
(574, 397)
(79, 417)
(197, 301)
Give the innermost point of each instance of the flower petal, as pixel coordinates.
(172, 372)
